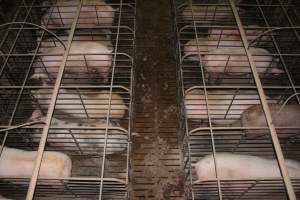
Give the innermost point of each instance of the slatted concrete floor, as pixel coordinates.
(156, 161)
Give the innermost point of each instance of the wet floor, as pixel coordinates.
(156, 161)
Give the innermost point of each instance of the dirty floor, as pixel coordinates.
(156, 163)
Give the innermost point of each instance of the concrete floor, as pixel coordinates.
(156, 166)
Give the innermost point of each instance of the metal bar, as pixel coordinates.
(207, 104)
(6, 33)
(131, 114)
(109, 101)
(76, 142)
(289, 19)
(238, 128)
(18, 35)
(231, 103)
(82, 102)
(278, 50)
(38, 161)
(277, 147)
(181, 95)
(21, 90)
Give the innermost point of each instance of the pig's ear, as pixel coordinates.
(276, 71)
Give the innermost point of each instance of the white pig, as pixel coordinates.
(17, 163)
(92, 57)
(251, 31)
(226, 106)
(242, 167)
(89, 140)
(289, 116)
(206, 45)
(221, 38)
(47, 43)
(93, 12)
(209, 13)
(91, 104)
(233, 61)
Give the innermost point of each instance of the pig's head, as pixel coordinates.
(205, 168)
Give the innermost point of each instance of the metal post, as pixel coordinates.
(51, 108)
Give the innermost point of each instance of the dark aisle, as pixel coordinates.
(156, 157)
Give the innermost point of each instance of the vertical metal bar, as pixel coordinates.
(183, 96)
(266, 109)
(86, 63)
(207, 104)
(67, 188)
(82, 102)
(131, 112)
(109, 100)
(38, 161)
(97, 16)
(231, 103)
(76, 142)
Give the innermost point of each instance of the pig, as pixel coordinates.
(206, 45)
(17, 163)
(50, 42)
(289, 116)
(47, 66)
(226, 106)
(233, 61)
(89, 104)
(221, 38)
(251, 31)
(89, 140)
(237, 166)
(93, 13)
(209, 13)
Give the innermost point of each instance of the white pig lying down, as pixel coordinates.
(68, 136)
(93, 13)
(209, 13)
(206, 45)
(289, 116)
(17, 163)
(85, 104)
(234, 61)
(92, 57)
(225, 106)
(237, 166)
(221, 38)
(50, 42)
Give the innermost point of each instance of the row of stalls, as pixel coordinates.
(66, 80)
(239, 69)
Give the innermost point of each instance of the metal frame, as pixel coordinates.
(110, 180)
(204, 136)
